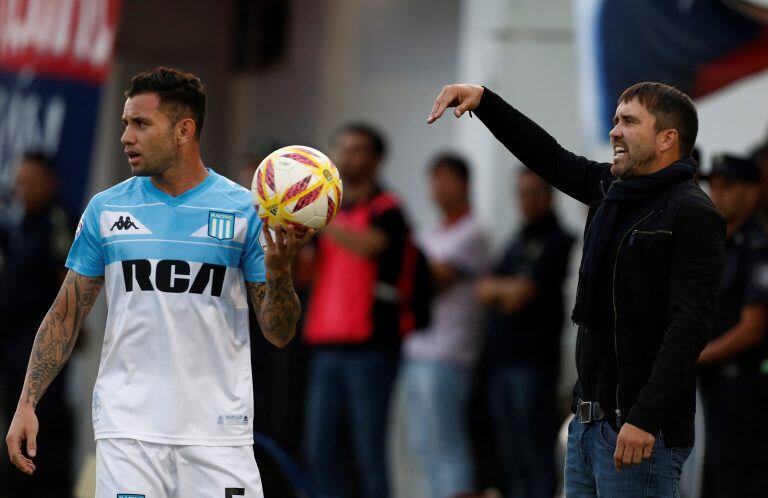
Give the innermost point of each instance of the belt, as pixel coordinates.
(589, 411)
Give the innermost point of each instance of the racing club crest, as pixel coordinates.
(221, 225)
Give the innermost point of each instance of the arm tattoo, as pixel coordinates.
(57, 334)
(277, 307)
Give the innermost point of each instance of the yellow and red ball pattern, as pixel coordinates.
(297, 185)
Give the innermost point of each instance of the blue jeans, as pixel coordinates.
(523, 406)
(348, 400)
(436, 395)
(590, 471)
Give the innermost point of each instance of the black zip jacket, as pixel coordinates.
(660, 284)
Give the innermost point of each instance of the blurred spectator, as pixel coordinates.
(32, 255)
(525, 300)
(352, 324)
(733, 377)
(439, 360)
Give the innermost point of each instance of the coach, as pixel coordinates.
(650, 270)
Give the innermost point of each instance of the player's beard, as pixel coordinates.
(158, 161)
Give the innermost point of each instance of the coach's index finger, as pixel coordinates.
(463, 97)
(443, 100)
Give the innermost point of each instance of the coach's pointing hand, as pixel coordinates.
(463, 97)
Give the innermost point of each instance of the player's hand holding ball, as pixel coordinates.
(297, 191)
(283, 246)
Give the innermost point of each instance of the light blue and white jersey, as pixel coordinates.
(175, 363)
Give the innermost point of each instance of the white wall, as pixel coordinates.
(522, 50)
(735, 119)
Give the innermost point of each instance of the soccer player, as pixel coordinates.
(177, 248)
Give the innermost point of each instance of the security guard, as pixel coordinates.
(32, 253)
(732, 368)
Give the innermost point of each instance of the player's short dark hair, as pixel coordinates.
(672, 109)
(184, 92)
(453, 163)
(41, 158)
(375, 137)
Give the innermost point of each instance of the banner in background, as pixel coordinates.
(54, 58)
(699, 46)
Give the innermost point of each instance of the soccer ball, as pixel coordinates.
(297, 186)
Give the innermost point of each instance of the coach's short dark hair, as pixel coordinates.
(453, 163)
(672, 109)
(375, 137)
(182, 91)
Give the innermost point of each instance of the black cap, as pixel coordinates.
(737, 168)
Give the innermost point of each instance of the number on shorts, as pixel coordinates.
(230, 492)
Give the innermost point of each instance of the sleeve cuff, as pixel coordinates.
(255, 277)
(83, 270)
(486, 101)
(645, 420)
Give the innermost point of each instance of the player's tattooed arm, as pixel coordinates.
(58, 332)
(275, 301)
(53, 344)
(277, 307)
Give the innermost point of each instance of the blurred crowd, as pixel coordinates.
(470, 339)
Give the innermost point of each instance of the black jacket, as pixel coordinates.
(662, 279)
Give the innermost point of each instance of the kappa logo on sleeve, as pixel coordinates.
(124, 224)
(121, 223)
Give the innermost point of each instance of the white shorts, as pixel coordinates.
(128, 468)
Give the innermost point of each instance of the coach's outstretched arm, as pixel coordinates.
(275, 301)
(574, 175)
(53, 344)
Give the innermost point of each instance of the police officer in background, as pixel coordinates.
(732, 368)
(32, 254)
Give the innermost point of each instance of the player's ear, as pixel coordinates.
(185, 131)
